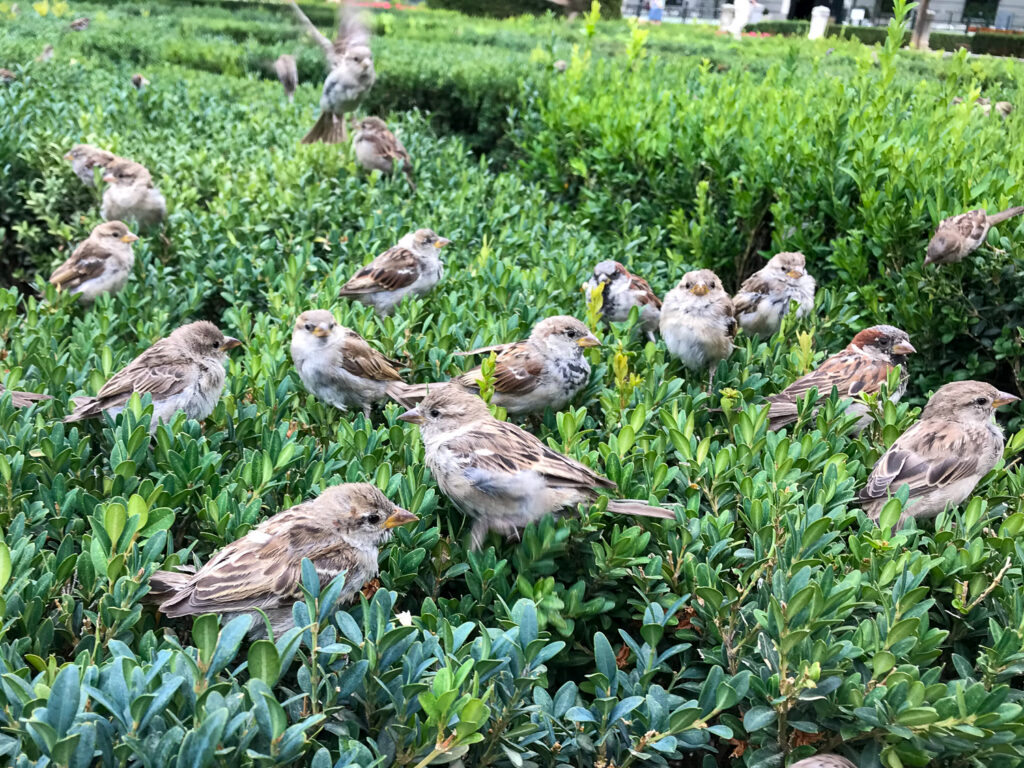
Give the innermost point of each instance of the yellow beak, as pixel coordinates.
(590, 340)
(230, 342)
(109, 178)
(321, 330)
(400, 517)
(699, 289)
(129, 238)
(795, 273)
(1004, 398)
(903, 348)
(67, 155)
(441, 242)
(413, 416)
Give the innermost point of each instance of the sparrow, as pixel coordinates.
(47, 53)
(131, 195)
(623, 291)
(378, 149)
(80, 25)
(499, 475)
(139, 81)
(944, 455)
(350, 78)
(862, 368)
(84, 158)
(823, 761)
(763, 299)
(960, 235)
(22, 399)
(697, 321)
(182, 372)
(287, 73)
(1004, 108)
(100, 264)
(342, 529)
(6, 76)
(337, 365)
(546, 370)
(413, 266)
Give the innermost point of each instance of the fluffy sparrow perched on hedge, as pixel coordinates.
(131, 195)
(80, 25)
(46, 54)
(100, 264)
(139, 81)
(287, 73)
(350, 79)
(862, 368)
(340, 530)
(498, 474)
(182, 372)
(622, 291)
(763, 299)
(6, 76)
(378, 149)
(85, 157)
(960, 235)
(944, 455)
(823, 761)
(413, 266)
(22, 399)
(697, 321)
(337, 365)
(546, 370)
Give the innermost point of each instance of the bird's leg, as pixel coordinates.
(366, 411)
(711, 378)
(344, 128)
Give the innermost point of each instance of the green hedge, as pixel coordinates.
(948, 41)
(998, 44)
(496, 8)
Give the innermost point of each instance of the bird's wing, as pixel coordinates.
(499, 450)
(312, 31)
(86, 262)
(929, 456)
(643, 291)
(351, 30)
(159, 371)
(360, 359)
(970, 225)
(850, 372)
(517, 370)
(388, 145)
(752, 290)
(499, 348)
(396, 268)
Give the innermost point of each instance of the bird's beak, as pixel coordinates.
(321, 330)
(400, 517)
(230, 342)
(129, 238)
(442, 242)
(109, 178)
(903, 348)
(700, 289)
(1004, 398)
(67, 156)
(413, 416)
(590, 340)
(795, 273)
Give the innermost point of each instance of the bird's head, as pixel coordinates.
(886, 343)
(446, 408)
(701, 283)
(563, 336)
(966, 401)
(204, 339)
(361, 511)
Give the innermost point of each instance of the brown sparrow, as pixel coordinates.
(182, 372)
(413, 266)
(764, 297)
(337, 365)
(944, 455)
(22, 399)
(862, 368)
(6, 76)
(287, 73)
(378, 149)
(80, 25)
(823, 761)
(139, 81)
(546, 370)
(342, 529)
(84, 158)
(622, 291)
(697, 321)
(498, 474)
(350, 78)
(100, 264)
(46, 54)
(131, 195)
(959, 235)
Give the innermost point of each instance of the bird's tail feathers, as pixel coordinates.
(638, 507)
(165, 585)
(328, 129)
(406, 395)
(1009, 213)
(407, 170)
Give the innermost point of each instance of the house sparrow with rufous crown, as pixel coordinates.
(102, 263)
(342, 529)
(764, 297)
(351, 73)
(181, 372)
(622, 291)
(697, 322)
(499, 475)
(546, 370)
(413, 266)
(337, 364)
(944, 455)
(131, 196)
(960, 235)
(862, 368)
(287, 73)
(378, 149)
(85, 157)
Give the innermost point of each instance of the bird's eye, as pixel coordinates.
(309, 326)
(373, 519)
(333, 326)
(572, 334)
(687, 284)
(981, 401)
(434, 413)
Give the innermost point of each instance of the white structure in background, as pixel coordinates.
(819, 21)
(857, 17)
(741, 17)
(728, 13)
